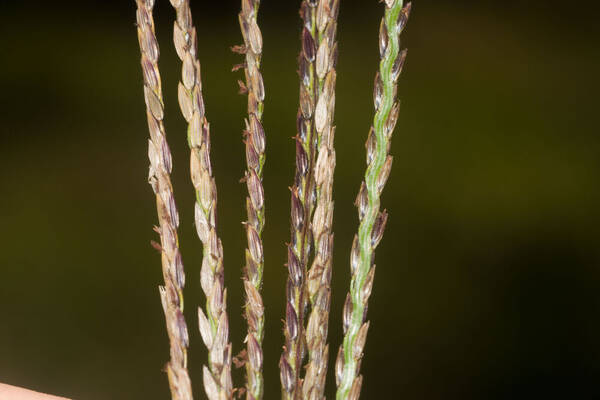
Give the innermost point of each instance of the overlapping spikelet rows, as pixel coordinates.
(214, 324)
(307, 289)
(319, 275)
(303, 195)
(372, 221)
(254, 135)
(171, 293)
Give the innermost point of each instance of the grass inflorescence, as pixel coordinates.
(303, 194)
(214, 323)
(171, 293)
(372, 220)
(304, 360)
(319, 274)
(254, 139)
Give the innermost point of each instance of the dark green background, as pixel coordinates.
(488, 278)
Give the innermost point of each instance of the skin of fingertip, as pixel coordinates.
(8, 392)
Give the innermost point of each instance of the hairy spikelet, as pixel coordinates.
(159, 177)
(302, 204)
(255, 203)
(372, 221)
(213, 324)
(319, 275)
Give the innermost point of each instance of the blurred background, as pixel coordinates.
(488, 278)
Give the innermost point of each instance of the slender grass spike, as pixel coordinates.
(372, 221)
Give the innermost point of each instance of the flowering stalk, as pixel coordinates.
(319, 275)
(302, 204)
(159, 177)
(372, 221)
(255, 160)
(214, 325)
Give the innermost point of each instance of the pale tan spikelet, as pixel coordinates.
(254, 135)
(319, 275)
(171, 293)
(213, 323)
(372, 220)
(303, 194)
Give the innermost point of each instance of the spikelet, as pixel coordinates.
(303, 196)
(254, 135)
(319, 275)
(159, 177)
(213, 324)
(372, 221)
